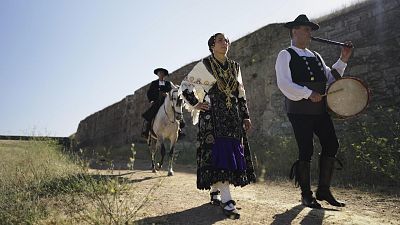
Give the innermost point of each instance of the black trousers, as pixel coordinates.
(305, 126)
(151, 113)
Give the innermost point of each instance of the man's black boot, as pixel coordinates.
(326, 166)
(303, 178)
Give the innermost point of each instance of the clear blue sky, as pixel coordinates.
(62, 60)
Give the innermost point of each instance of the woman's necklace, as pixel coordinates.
(226, 80)
(221, 69)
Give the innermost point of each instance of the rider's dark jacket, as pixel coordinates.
(154, 95)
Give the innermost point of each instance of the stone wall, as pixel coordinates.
(372, 26)
(121, 123)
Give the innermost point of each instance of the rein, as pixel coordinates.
(173, 109)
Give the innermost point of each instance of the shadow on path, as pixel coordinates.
(314, 217)
(205, 214)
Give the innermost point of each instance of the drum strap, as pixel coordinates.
(335, 74)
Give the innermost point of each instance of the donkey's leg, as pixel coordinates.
(171, 158)
(162, 155)
(151, 150)
(153, 156)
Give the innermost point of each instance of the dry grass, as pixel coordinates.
(39, 184)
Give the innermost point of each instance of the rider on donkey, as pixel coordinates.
(156, 96)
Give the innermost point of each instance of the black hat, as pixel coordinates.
(302, 20)
(161, 69)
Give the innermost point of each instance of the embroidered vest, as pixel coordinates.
(309, 72)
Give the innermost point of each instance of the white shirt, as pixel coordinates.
(292, 90)
(200, 81)
(161, 82)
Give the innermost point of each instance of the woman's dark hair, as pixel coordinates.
(211, 41)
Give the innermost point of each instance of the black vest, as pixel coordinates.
(309, 72)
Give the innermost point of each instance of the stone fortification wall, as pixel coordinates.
(372, 26)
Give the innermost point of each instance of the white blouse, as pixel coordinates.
(200, 81)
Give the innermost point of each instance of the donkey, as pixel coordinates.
(166, 126)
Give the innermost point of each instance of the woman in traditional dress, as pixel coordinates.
(216, 99)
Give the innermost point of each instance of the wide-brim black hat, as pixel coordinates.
(302, 20)
(161, 69)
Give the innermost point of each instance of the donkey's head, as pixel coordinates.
(176, 103)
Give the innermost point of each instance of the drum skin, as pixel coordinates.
(347, 97)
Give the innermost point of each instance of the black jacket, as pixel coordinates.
(153, 94)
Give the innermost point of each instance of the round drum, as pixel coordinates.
(347, 96)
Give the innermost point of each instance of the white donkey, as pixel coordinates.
(166, 126)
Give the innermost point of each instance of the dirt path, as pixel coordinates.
(160, 199)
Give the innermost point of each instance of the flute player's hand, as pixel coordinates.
(346, 52)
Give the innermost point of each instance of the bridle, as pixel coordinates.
(170, 96)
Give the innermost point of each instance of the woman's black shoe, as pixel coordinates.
(230, 213)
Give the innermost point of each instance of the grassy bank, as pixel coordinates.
(25, 169)
(39, 184)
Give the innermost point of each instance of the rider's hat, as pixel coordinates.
(161, 69)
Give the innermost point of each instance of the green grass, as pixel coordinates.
(25, 167)
(39, 184)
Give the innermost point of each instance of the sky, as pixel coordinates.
(63, 60)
